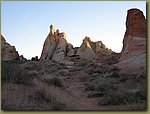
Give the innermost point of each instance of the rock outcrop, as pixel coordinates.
(8, 52)
(133, 55)
(86, 51)
(21, 58)
(93, 50)
(135, 36)
(56, 46)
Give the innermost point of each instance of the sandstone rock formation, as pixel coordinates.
(86, 51)
(133, 55)
(70, 50)
(8, 52)
(135, 36)
(92, 50)
(55, 46)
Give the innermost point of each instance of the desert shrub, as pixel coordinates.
(33, 73)
(37, 94)
(54, 81)
(14, 74)
(113, 74)
(94, 94)
(55, 105)
(106, 85)
(137, 107)
(83, 77)
(62, 73)
(81, 63)
(90, 87)
(112, 61)
(53, 69)
(113, 98)
(48, 98)
(32, 66)
(110, 68)
(123, 97)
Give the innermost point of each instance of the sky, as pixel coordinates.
(26, 24)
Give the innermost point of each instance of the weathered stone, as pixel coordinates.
(135, 35)
(93, 50)
(8, 52)
(52, 30)
(60, 51)
(70, 50)
(55, 46)
(85, 51)
(48, 47)
(133, 55)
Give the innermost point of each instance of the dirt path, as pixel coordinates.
(78, 95)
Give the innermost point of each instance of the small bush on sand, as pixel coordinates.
(90, 87)
(83, 77)
(95, 94)
(48, 98)
(123, 97)
(105, 85)
(54, 81)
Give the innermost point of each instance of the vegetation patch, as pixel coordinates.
(123, 96)
(51, 100)
(106, 85)
(12, 73)
(53, 81)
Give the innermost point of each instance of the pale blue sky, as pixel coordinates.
(26, 24)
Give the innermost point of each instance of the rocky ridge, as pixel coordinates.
(57, 48)
(9, 53)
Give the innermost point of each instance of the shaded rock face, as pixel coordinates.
(92, 50)
(135, 35)
(21, 58)
(55, 46)
(133, 55)
(8, 52)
